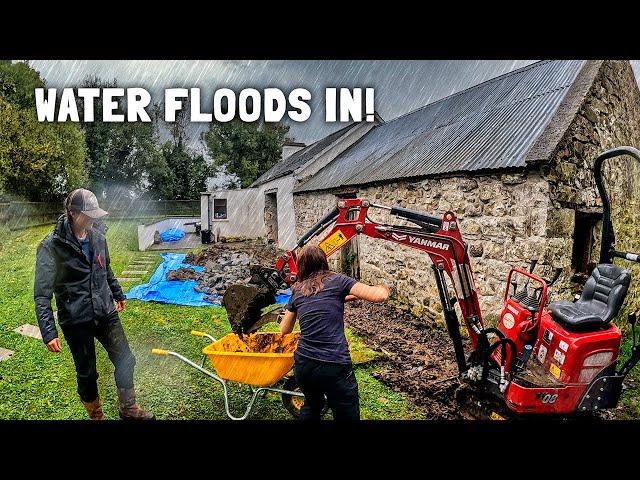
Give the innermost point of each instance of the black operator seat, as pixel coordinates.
(599, 303)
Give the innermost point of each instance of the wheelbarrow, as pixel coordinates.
(264, 371)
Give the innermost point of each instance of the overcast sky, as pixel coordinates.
(401, 86)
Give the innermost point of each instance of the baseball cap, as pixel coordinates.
(85, 201)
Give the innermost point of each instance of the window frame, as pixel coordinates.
(226, 209)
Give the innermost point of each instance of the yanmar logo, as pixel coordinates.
(425, 242)
(428, 243)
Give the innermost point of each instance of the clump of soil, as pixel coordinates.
(421, 362)
(244, 305)
(183, 274)
(263, 342)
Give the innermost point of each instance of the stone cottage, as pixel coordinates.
(265, 209)
(512, 157)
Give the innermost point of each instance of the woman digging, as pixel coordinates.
(322, 361)
(72, 263)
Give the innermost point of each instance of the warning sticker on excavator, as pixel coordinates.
(555, 370)
(333, 242)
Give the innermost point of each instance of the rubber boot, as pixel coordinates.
(129, 409)
(94, 409)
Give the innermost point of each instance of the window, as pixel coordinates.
(219, 208)
(583, 244)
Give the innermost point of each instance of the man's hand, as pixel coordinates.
(120, 305)
(54, 345)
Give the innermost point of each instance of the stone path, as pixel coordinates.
(137, 268)
(29, 330)
(5, 354)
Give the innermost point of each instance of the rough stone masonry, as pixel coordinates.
(511, 216)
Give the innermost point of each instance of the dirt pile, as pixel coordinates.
(256, 250)
(263, 342)
(226, 264)
(421, 362)
(183, 274)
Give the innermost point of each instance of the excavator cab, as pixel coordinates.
(568, 352)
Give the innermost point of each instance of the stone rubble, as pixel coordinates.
(224, 265)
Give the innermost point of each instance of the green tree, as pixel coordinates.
(18, 82)
(121, 154)
(185, 175)
(245, 150)
(38, 160)
(181, 174)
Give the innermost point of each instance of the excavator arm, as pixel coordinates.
(438, 237)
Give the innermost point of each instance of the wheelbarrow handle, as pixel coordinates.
(159, 351)
(198, 333)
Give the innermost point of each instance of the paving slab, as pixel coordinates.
(29, 330)
(5, 354)
(135, 272)
(127, 279)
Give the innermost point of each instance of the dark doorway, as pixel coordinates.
(583, 244)
(271, 216)
(348, 255)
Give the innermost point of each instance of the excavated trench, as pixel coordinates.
(420, 362)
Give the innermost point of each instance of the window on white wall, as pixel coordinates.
(220, 208)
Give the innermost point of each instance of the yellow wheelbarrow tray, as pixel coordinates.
(261, 371)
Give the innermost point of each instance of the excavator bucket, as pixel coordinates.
(244, 304)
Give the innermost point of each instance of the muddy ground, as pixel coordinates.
(420, 359)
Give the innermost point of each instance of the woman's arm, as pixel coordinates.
(376, 293)
(287, 323)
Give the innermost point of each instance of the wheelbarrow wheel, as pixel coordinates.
(293, 403)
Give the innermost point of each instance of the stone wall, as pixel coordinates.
(503, 218)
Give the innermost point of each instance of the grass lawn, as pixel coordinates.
(37, 384)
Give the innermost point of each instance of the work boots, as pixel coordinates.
(129, 409)
(94, 409)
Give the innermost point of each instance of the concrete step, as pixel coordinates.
(29, 330)
(135, 272)
(5, 354)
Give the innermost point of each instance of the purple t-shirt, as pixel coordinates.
(321, 317)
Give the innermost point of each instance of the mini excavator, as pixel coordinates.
(542, 358)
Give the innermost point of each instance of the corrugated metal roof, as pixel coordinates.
(489, 126)
(299, 158)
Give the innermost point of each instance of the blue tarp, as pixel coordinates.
(172, 235)
(177, 292)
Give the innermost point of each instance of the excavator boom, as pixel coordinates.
(439, 237)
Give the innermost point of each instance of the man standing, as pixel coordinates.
(72, 263)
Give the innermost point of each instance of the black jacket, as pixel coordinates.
(84, 291)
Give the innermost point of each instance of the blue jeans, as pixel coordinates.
(336, 381)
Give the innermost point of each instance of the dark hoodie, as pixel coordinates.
(84, 291)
